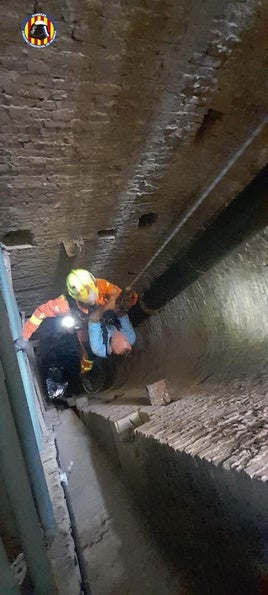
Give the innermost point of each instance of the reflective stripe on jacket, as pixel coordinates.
(50, 309)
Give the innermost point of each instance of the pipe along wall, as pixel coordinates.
(212, 329)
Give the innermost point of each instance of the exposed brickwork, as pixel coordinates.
(199, 474)
(121, 420)
(233, 435)
(97, 128)
(158, 393)
(62, 552)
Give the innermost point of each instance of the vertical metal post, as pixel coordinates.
(15, 327)
(7, 580)
(24, 426)
(21, 500)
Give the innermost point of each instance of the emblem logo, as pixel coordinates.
(38, 30)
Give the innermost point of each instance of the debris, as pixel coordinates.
(75, 247)
(158, 393)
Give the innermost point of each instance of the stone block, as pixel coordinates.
(158, 393)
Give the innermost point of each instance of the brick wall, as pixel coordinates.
(198, 471)
(212, 337)
(101, 127)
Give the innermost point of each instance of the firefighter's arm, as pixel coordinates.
(108, 294)
(48, 310)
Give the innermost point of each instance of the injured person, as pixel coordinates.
(112, 334)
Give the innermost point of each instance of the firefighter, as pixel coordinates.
(86, 298)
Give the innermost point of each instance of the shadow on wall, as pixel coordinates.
(64, 265)
(211, 521)
(243, 218)
(215, 329)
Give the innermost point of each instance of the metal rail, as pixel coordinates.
(23, 421)
(202, 198)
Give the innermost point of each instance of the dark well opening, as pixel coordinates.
(211, 117)
(107, 233)
(147, 219)
(244, 217)
(19, 237)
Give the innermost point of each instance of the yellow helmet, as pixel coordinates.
(81, 285)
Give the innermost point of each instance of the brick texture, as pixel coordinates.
(201, 481)
(62, 550)
(101, 127)
(212, 337)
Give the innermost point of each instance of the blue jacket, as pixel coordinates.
(96, 336)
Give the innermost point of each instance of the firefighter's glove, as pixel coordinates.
(110, 318)
(125, 301)
(21, 344)
(130, 297)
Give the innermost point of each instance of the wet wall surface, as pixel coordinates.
(214, 332)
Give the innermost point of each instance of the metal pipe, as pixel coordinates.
(16, 331)
(24, 426)
(85, 586)
(7, 581)
(201, 198)
(20, 497)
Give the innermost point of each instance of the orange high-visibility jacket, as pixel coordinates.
(60, 306)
